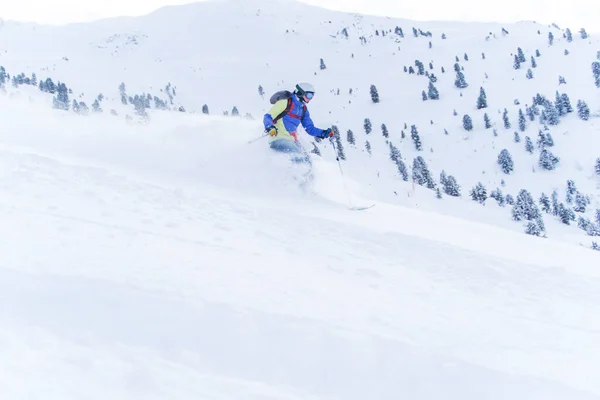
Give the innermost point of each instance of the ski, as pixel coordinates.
(360, 208)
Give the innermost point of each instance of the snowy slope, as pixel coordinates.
(222, 64)
(138, 264)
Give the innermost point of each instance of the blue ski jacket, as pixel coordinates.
(288, 124)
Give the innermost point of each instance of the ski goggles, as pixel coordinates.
(309, 95)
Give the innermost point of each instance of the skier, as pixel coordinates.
(288, 111)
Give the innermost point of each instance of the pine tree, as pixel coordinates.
(322, 65)
(123, 93)
(479, 193)
(451, 187)
(517, 138)
(571, 190)
(424, 95)
(402, 170)
(555, 203)
(528, 145)
(525, 207)
(505, 161)
(438, 193)
(350, 137)
(522, 125)
(569, 35)
(460, 81)
(583, 110)
(596, 72)
(414, 134)
(533, 63)
(529, 74)
(96, 106)
(566, 103)
(581, 203)
(548, 160)
(530, 112)
(261, 91)
(583, 33)
(367, 125)
(552, 114)
(509, 200)
(505, 119)
(420, 173)
(517, 63)
(394, 153)
(520, 55)
(433, 92)
(498, 196)
(598, 166)
(205, 109)
(482, 99)
(368, 146)
(384, 131)
(467, 122)
(487, 122)
(374, 94)
(338, 143)
(545, 203)
(235, 112)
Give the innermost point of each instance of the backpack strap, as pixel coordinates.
(285, 111)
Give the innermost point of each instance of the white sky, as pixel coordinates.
(572, 13)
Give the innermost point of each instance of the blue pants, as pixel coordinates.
(293, 148)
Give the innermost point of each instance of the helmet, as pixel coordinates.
(304, 89)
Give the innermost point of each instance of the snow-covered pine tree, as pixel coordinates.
(433, 92)
(479, 193)
(482, 99)
(467, 122)
(566, 103)
(529, 74)
(350, 137)
(414, 134)
(548, 160)
(596, 72)
(529, 145)
(498, 196)
(505, 119)
(525, 207)
(580, 203)
(374, 94)
(583, 110)
(368, 146)
(545, 203)
(486, 121)
(550, 38)
(338, 142)
(384, 131)
(367, 125)
(420, 173)
(533, 63)
(597, 168)
(505, 161)
(522, 124)
(517, 137)
(460, 81)
(569, 35)
(322, 65)
(424, 95)
(520, 55)
(204, 109)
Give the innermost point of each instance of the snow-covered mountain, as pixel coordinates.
(178, 57)
(154, 253)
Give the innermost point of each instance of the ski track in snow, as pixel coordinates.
(117, 287)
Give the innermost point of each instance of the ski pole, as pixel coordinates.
(337, 157)
(258, 138)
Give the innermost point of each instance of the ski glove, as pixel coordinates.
(327, 133)
(271, 130)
